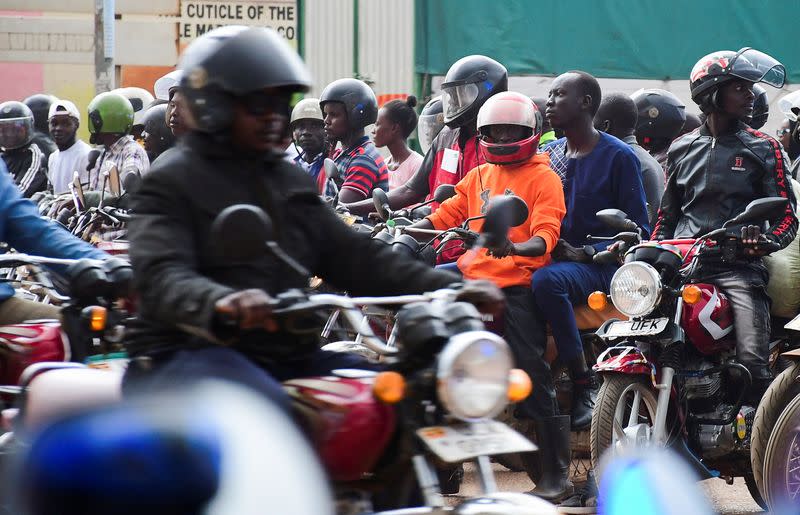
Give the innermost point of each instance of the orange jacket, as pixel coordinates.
(537, 185)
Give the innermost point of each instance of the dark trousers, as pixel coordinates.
(556, 288)
(184, 367)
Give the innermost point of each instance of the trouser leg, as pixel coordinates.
(16, 310)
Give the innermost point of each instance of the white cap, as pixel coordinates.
(166, 83)
(63, 107)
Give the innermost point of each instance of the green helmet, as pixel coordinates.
(110, 113)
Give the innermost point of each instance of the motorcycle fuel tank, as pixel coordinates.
(351, 428)
(22, 345)
(708, 323)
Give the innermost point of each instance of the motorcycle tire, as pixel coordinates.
(750, 482)
(778, 458)
(611, 391)
(779, 394)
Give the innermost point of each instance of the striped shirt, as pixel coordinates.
(127, 155)
(557, 150)
(28, 166)
(363, 168)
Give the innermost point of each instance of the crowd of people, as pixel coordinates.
(237, 137)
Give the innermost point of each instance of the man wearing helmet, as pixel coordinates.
(238, 83)
(509, 128)
(39, 105)
(702, 193)
(660, 118)
(26, 163)
(110, 123)
(308, 139)
(469, 82)
(157, 136)
(348, 106)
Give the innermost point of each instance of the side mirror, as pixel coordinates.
(759, 211)
(113, 181)
(381, 201)
(504, 212)
(444, 192)
(76, 190)
(240, 232)
(331, 170)
(616, 219)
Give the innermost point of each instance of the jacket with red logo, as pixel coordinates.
(711, 180)
(446, 162)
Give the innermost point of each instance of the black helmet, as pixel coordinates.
(660, 115)
(430, 123)
(468, 84)
(760, 108)
(157, 135)
(717, 68)
(358, 99)
(40, 106)
(233, 61)
(16, 125)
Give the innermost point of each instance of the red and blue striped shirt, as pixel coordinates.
(363, 167)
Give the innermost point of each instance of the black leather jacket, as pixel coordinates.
(711, 180)
(180, 276)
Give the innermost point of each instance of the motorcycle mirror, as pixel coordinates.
(504, 212)
(331, 170)
(381, 202)
(444, 192)
(76, 189)
(759, 210)
(113, 181)
(616, 219)
(240, 232)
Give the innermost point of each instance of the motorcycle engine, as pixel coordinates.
(703, 391)
(717, 441)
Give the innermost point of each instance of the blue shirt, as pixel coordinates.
(25, 231)
(609, 177)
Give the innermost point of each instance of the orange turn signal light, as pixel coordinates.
(691, 294)
(598, 301)
(389, 387)
(519, 385)
(98, 316)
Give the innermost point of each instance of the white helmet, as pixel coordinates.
(306, 109)
(139, 98)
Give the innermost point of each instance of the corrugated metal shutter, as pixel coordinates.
(328, 34)
(387, 46)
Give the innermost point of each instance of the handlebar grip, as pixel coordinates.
(606, 257)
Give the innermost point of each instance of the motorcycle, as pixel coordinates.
(669, 373)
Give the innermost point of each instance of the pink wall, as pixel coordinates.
(20, 80)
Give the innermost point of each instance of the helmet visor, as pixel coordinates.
(458, 98)
(790, 105)
(755, 66)
(15, 132)
(428, 128)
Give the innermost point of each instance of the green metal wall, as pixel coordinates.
(644, 39)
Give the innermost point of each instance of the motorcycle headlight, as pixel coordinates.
(472, 376)
(636, 289)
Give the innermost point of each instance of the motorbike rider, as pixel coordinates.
(760, 113)
(157, 136)
(178, 117)
(661, 116)
(23, 158)
(348, 106)
(72, 154)
(396, 121)
(701, 193)
(599, 171)
(39, 104)
(238, 82)
(469, 82)
(509, 131)
(430, 123)
(308, 138)
(110, 123)
(617, 116)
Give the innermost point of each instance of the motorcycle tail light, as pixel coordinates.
(691, 294)
(597, 301)
(389, 387)
(519, 385)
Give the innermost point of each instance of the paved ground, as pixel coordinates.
(728, 500)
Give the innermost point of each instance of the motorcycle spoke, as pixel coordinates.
(619, 433)
(634, 416)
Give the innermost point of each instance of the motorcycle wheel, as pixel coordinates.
(780, 393)
(750, 482)
(623, 401)
(781, 478)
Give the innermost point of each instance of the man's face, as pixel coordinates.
(736, 98)
(336, 126)
(310, 136)
(565, 102)
(63, 129)
(503, 134)
(385, 130)
(260, 122)
(177, 115)
(785, 133)
(13, 134)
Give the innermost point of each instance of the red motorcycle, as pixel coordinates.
(670, 377)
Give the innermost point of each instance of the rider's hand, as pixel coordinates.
(374, 217)
(251, 309)
(504, 249)
(563, 251)
(487, 297)
(754, 241)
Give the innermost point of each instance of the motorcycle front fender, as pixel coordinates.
(623, 360)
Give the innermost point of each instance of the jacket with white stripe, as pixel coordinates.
(28, 166)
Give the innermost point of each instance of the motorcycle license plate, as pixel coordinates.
(462, 442)
(637, 327)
